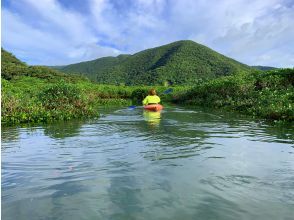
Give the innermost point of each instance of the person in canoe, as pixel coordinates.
(151, 98)
(151, 102)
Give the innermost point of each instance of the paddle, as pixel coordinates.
(168, 91)
(165, 92)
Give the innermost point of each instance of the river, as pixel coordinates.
(182, 163)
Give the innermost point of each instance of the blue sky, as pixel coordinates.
(57, 32)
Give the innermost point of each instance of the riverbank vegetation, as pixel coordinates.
(267, 95)
(39, 94)
(30, 99)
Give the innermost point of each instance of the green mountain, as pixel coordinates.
(264, 68)
(11, 68)
(181, 62)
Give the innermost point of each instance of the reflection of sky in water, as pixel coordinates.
(194, 164)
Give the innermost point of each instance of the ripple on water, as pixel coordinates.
(194, 164)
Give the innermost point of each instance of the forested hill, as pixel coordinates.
(11, 68)
(178, 63)
(264, 68)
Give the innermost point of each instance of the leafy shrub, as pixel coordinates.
(60, 94)
(139, 94)
(263, 94)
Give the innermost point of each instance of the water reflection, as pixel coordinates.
(178, 163)
(214, 206)
(152, 117)
(9, 135)
(124, 191)
(63, 129)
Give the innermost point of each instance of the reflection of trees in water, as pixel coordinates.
(266, 130)
(280, 131)
(63, 129)
(9, 134)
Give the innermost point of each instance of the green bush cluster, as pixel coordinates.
(43, 103)
(61, 94)
(262, 94)
(139, 94)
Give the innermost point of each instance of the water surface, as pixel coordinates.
(180, 164)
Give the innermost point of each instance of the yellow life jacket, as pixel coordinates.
(151, 99)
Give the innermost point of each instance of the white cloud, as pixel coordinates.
(254, 32)
(240, 29)
(131, 28)
(269, 35)
(62, 37)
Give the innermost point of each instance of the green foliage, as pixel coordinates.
(112, 102)
(60, 94)
(262, 94)
(7, 57)
(11, 66)
(178, 63)
(38, 94)
(43, 102)
(35, 94)
(264, 68)
(31, 99)
(139, 94)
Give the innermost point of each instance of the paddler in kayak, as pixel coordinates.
(151, 99)
(151, 102)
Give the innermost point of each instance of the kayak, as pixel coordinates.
(153, 107)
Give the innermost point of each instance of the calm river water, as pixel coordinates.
(182, 163)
